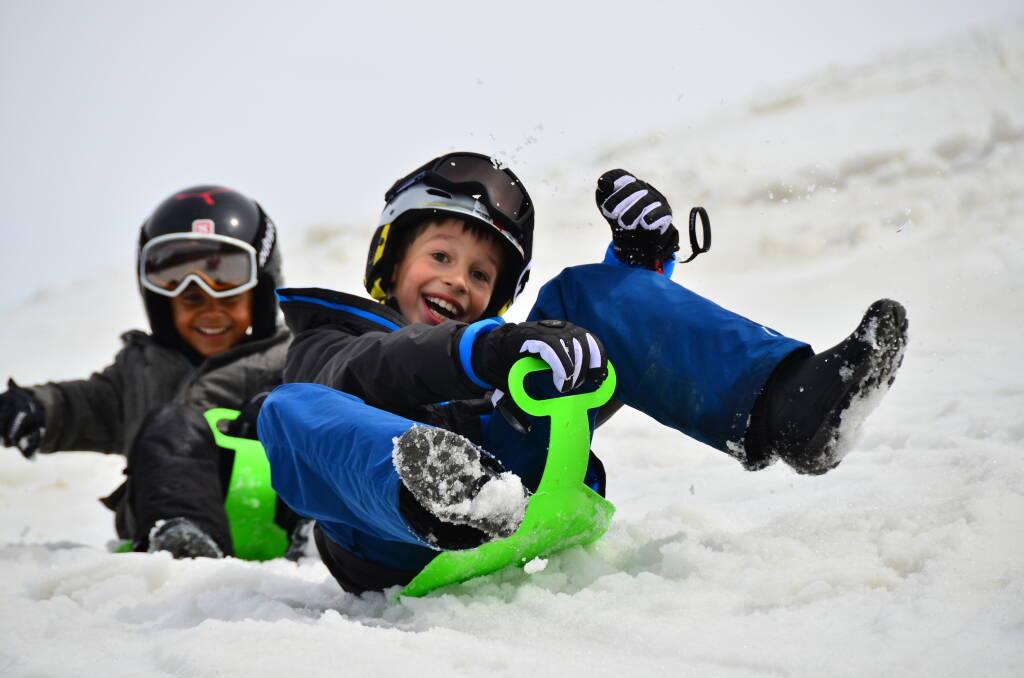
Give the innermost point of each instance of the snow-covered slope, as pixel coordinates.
(901, 178)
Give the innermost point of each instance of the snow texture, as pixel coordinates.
(887, 345)
(869, 397)
(444, 472)
(502, 496)
(900, 178)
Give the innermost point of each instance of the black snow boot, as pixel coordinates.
(812, 406)
(183, 539)
(457, 483)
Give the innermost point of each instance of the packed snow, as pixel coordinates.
(872, 387)
(502, 496)
(903, 178)
(444, 472)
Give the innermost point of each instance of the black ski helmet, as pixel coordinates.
(468, 186)
(224, 212)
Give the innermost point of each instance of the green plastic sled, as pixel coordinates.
(562, 513)
(251, 501)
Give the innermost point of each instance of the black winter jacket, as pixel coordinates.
(148, 407)
(371, 351)
(104, 412)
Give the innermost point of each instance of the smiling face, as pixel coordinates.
(209, 325)
(448, 272)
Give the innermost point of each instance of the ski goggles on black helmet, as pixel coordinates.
(219, 265)
(482, 178)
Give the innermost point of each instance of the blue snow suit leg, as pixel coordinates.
(680, 358)
(330, 460)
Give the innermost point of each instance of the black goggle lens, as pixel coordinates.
(504, 194)
(503, 190)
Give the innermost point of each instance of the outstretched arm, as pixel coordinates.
(421, 364)
(84, 414)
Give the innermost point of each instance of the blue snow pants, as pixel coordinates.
(681, 359)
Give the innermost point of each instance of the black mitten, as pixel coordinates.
(575, 355)
(21, 420)
(641, 219)
(245, 425)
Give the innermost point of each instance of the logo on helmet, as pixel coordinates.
(203, 226)
(268, 242)
(205, 196)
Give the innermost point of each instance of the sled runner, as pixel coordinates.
(562, 513)
(250, 502)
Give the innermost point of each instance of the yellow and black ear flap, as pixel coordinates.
(382, 242)
(373, 281)
(377, 291)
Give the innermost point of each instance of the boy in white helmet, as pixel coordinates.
(383, 431)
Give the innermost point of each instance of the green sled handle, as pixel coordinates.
(562, 513)
(251, 501)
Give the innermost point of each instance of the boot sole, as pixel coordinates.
(445, 472)
(883, 328)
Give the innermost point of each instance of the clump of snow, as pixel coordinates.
(503, 497)
(888, 347)
(536, 565)
(853, 418)
(870, 334)
(866, 401)
(445, 473)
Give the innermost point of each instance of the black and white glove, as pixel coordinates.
(576, 356)
(21, 420)
(641, 219)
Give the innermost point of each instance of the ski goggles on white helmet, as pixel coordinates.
(219, 265)
(423, 198)
(481, 177)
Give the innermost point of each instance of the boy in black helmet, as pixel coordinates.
(208, 264)
(346, 436)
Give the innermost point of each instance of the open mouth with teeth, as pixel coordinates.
(212, 331)
(439, 310)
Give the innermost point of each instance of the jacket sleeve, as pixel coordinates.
(84, 414)
(413, 366)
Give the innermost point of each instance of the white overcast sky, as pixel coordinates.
(315, 108)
